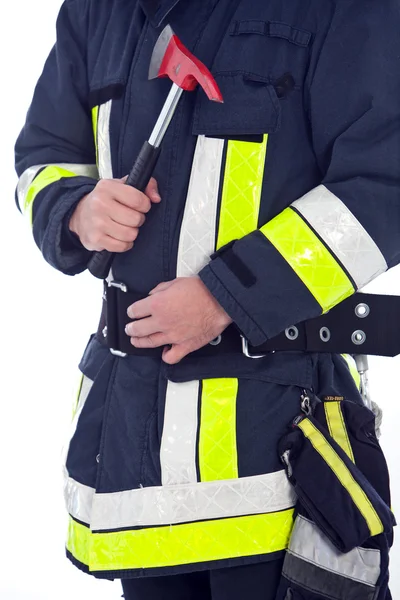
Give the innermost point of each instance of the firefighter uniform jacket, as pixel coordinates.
(285, 200)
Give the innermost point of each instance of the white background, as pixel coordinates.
(46, 319)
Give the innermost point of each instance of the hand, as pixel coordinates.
(181, 313)
(110, 216)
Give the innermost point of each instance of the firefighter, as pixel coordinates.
(264, 212)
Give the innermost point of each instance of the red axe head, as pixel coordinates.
(171, 59)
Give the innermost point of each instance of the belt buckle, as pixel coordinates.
(246, 351)
(120, 286)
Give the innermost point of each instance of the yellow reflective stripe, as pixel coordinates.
(351, 363)
(309, 258)
(337, 427)
(217, 438)
(49, 175)
(79, 539)
(77, 395)
(241, 194)
(95, 119)
(180, 544)
(343, 474)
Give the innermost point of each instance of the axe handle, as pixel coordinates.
(139, 177)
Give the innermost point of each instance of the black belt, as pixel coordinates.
(362, 324)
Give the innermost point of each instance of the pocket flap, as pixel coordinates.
(251, 107)
(300, 37)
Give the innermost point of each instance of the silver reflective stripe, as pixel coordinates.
(103, 141)
(343, 234)
(197, 239)
(24, 183)
(178, 445)
(155, 506)
(308, 543)
(27, 177)
(85, 388)
(78, 499)
(196, 244)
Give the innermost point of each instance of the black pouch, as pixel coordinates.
(343, 528)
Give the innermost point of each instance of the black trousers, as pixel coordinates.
(251, 582)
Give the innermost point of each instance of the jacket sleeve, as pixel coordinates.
(55, 152)
(345, 232)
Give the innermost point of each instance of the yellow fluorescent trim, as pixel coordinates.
(217, 439)
(77, 395)
(95, 119)
(49, 175)
(337, 427)
(309, 258)
(180, 544)
(241, 194)
(351, 363)
(343, 474)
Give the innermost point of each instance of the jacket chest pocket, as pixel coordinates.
(258, 64)
(266, 47)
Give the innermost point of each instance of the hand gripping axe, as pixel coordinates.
(170, 59)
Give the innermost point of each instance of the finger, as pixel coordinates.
(140, 309)
(161, 287)
(152, 191)
(124, 194)
(126, 216)
(152, 341)
(176, 353)
(113, 245)
(142, 328)
(119, 232)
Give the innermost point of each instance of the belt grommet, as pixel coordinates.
(362, 310)
(325, 334)
(216, 341)
(292, 333)
(358, 337)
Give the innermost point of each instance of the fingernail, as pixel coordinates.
(129, 312)
(127, 329)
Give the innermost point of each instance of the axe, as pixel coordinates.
(171, 59)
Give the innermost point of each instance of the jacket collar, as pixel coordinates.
(157, 10)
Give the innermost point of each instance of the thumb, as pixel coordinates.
(152, 191)
(174, 354)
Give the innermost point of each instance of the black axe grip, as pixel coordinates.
(139, 177)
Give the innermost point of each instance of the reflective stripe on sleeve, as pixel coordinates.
(343, 474)
(343, 234)
(180, 544)
(37, 177)
(309, 258)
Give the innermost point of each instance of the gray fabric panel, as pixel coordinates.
(310, 544)
(329, 585)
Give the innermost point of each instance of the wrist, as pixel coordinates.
(73, 219)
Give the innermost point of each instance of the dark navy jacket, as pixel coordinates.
(321, 79)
